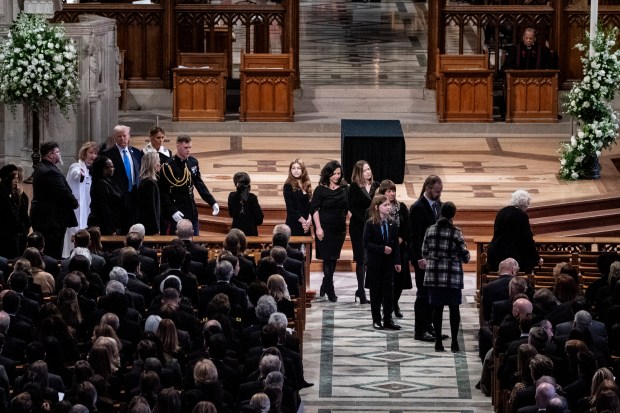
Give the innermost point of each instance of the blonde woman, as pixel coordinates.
(149, 209)
(79, 180)
(39, 275)
(278, 290)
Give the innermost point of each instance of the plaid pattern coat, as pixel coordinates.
(445, 252)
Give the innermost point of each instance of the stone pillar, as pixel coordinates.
(97, 106)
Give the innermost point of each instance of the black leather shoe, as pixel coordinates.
(455, 347)
(445, 336)
(390, 325)
(397, 312)
(377, 326)
(439, 347)
(425, 337)
(305, 385)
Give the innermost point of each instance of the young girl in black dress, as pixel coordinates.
(297, 194)
(243, 206)
(382, 258)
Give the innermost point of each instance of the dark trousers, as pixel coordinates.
(381, 287)
(422, 309)
(54, 239)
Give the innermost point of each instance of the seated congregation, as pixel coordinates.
(551, 348)
(140, 330)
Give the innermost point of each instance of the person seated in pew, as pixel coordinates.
(530, 54)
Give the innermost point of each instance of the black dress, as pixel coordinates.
(402, 279)
(512, 237)
(332, 207)
(149, 209)
(16, 223)
(248, 215)
(297, 205)
(359, 202)
(106, 206)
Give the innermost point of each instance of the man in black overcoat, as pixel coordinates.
(51, 210)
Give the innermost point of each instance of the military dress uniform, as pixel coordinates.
(177, 181)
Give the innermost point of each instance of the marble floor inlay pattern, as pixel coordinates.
(356, 368)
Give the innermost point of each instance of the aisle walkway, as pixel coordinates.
(358, 369)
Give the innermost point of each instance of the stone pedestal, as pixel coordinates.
(43, 7)
(97, 107)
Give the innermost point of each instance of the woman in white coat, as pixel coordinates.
(79, 180)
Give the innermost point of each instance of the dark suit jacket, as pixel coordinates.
(292, 281)
(97, 265)
(28, 308)
(421, 217)
(494, 291)
(375, 243)
(52, 200)
(237, 297)
(120, 175)
(138, 287)
(20, 327)
(14, 348)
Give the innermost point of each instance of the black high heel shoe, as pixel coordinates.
(362, 296)
(322, 291)
(332, 297)
(455, 347)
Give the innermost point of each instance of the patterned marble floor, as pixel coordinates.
(358, 369)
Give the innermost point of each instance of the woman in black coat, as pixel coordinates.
(106, 199)
(14, 209)
(361, 192)
(243, 206)
(400, 215)
(512, 235)
(149, 209)
(382, 259)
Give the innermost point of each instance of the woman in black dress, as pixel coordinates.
(14, 209)
(106, 199)
(361, 192)
(149, 209)
(243, 206)
(512, 235)
(329, 212)
(400, 215)
(297, 194)
(382, 259)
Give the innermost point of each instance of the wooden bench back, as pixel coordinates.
(266, 61)
(447, 62)
(212, 60)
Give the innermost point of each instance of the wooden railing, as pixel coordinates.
(580, 249)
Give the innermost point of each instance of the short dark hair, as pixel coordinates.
(174, 254)
(280, 240)
(10, 302)
(82, 238)
(47, 147)
(35, 239)
(18, 281)
(184, 139)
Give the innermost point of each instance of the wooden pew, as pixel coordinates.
(532, 96)
(464, 88)
(199, 87)
(267, 82)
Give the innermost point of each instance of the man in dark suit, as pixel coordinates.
(51, 210)
(295, 259)
(127, 161)
(134, 300)
(237, 297)
(247, 269)
(130, 261)
(13, 346)
(81, 239)
(292, 280)
(20, 327)
(497, 289)
(423, 213)
(28, 307)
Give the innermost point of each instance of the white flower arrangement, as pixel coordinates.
(588, 101)
(38, 64)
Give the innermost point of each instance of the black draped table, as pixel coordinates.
(379, 142)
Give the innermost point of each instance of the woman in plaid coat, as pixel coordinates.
(445, 252)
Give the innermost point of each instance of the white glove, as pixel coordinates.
(216, 208)
(177, 216)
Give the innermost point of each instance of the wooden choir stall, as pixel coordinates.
(267, 82)
(199, 87)
(464, 88)
(532, 95)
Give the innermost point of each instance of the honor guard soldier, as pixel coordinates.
(178, 177)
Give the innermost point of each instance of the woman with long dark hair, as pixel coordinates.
(297, 194)
(243, 206)
(361, 192)
(445, 252)
(14, 209)
(329, 213)
(106, 199)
